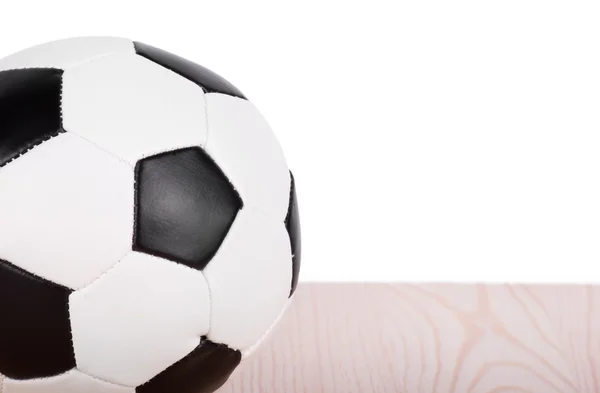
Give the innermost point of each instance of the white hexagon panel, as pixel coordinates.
(67, 210)
(249, 280)
(133, 107)
(146, 311)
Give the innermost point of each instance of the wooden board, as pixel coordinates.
(435, 338)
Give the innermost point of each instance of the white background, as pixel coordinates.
(431, 141)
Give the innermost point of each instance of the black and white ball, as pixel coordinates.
(149, 233)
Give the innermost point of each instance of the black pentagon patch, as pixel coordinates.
(35, 332)
(29, 109)
(184, 207)
(204, 370)
(292, 224)
(203, 77)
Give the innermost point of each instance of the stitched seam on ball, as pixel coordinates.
(136, 205)
(38, 278)
(104, 273)
(204, 148)
(31, 68)
(265, 214)
(207, 126)
(73, 65)
(34, 144)
(100, 148)
(228, 95)
(250, 350)
(71, 331)
(96, 58)
(82, 137)
(210, 306)
(79, 289)
(103, 380)
(60, 101)
(169, 150)
(290, 200)
(170, 69)
(237, 213)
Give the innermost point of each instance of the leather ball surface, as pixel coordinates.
(150, 237)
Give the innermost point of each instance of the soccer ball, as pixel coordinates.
(150, 237)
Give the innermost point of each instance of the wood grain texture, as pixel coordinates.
(431, 338)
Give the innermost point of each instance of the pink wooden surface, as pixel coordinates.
(442, 338)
